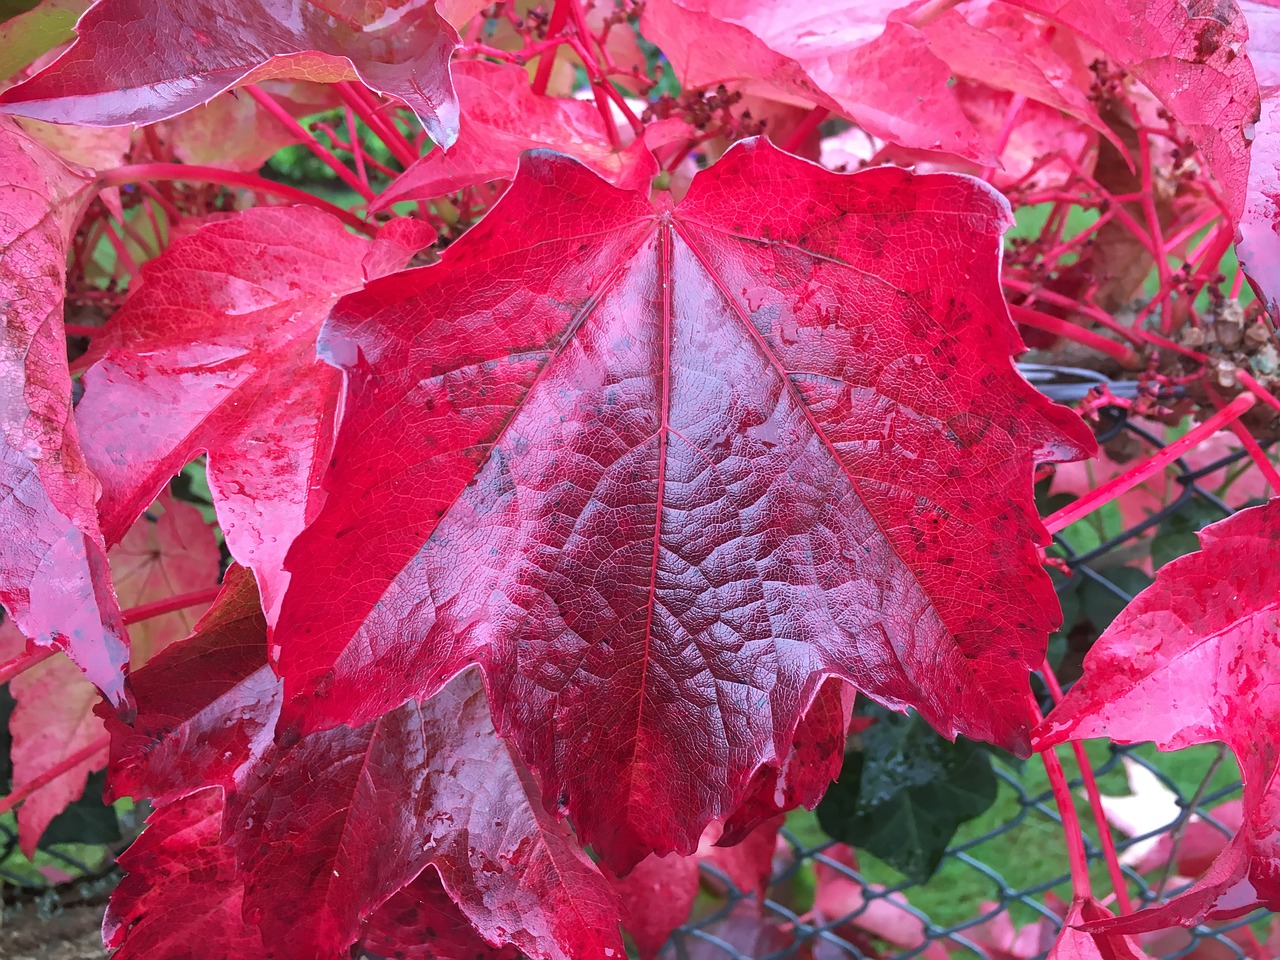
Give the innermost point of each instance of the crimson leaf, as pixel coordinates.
(215, 351)
(54, 579)
(661, 470)
(329, 829)
(1185, 663)
(195, 49)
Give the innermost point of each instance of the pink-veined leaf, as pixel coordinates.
(1188, 662)
(850, 58)
(214, 350)
(53, 718)
(1259, 239)
(181, 858)
(54, 578)
(1190, 56)
(660, 470)
(141, 61)
(500, 118)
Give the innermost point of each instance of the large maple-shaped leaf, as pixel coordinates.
(1192, 660)
(141, 61)
(1189, 56)
(848, 57)
(501, 117)
(53, 718)
(1259, 240)
(215, 351)
(660, 470)
(181, 858)
(54, 579)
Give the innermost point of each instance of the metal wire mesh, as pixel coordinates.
(953, 914)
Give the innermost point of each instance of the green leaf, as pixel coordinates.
(902, 796)
(28, 34)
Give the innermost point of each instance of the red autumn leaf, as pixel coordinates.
(347, 817)
(53, 719)
(1074, 943)
(181, 740)
(815, 758)
(421, 923)
(1259, 241)
(1183, 664)
(1189, 56)
(215, 351)
(330, 828)
(657, 895)
(661, 470)
(180, 858)
(501, 117)
(53, 577)
(196, 50)
(849, 58)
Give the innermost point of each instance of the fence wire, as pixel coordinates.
(973, 907)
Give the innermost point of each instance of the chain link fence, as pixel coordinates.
(1000, 892)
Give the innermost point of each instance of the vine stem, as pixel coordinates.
(1061, 519)
(146, 611)
(134, 173)
(23, 662)
(812, 121)
(1256, 453)
(1179, 829)
(361, 101)
(282, 116)
(1072, 331)
(1076, 856)
(57, 770)
(1105, 837)
(559, 14)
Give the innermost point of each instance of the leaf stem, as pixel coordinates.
(134, 173)
(360, 100)
(1073, 331)
(811, 122)
(559, 14)
(23, 662)
(1074, 838)
(57, 770)
(1072, 512)
(1105, 837)
(268, 103)
(156, 608)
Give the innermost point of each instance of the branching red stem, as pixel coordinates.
(1072, 331)
(306, 137)
(134, 173)
(1105, 837)
(1069, 514)
(1076, 855)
